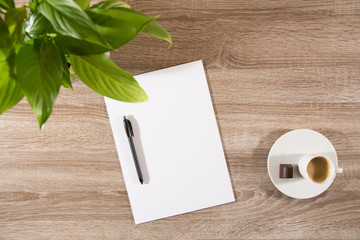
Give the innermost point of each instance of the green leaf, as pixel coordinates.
(38, 67)
(111, 4)
(155, 29)
(65, 73)
(14, 19)
(68, 19)
(7, 4)
(118, 26)
(103, 76)
(5, 40)
(10, 91)
(83, 3)
(37, 25)
(80, 47)
(33, 5)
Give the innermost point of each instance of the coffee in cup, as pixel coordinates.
(317, 168)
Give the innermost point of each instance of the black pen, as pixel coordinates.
(130, 134)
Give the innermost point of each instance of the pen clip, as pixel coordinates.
(128, 127)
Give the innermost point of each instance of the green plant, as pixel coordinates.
(38, 43)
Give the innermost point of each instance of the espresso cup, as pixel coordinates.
(318, 168)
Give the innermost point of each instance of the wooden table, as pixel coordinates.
(272, 66)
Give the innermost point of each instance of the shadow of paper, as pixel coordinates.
(139, 149)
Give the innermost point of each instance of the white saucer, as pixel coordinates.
(288, 149)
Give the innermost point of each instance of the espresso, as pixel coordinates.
(318, 169)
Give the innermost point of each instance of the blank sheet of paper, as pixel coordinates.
(178, 145)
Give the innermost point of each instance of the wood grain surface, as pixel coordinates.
(272, 66)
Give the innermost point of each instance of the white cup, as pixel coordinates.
(318, 168)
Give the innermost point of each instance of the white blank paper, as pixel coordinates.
(177, 142)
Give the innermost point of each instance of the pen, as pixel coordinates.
(130, 134)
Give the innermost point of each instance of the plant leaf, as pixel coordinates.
(65, 73)
(118, 26)
(102, 75)
(80, 47)
(110, 4)
(37, 25)
(5, 40)
(10, 91)
(14, 19)
(68, 19)
(7, 4)
(155, 29)
(83, 3)
(38, 73)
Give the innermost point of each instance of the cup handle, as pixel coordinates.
(338, 170)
